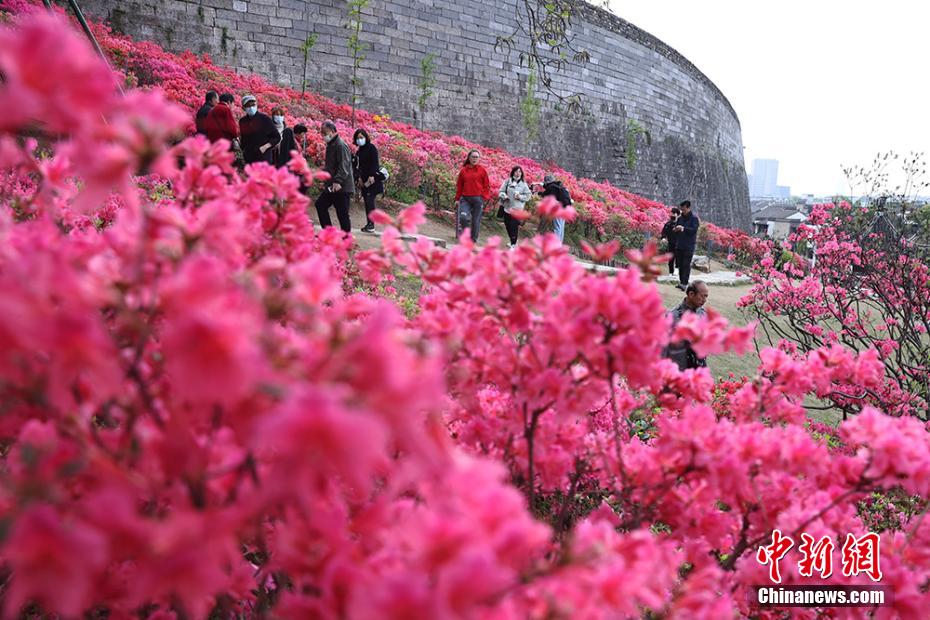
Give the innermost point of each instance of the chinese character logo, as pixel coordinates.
(773, 553)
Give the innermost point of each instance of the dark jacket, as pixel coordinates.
(256, 131)
(365, 163)
(681, 352)
(201, 118)
(282, 152)
(668, 232)
(687, 239)
(221, 123)
(558, 191)
(339, 165)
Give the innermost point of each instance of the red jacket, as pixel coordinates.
(221, 124)
(473, 181)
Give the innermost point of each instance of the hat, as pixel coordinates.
(548, 178)
(248, 99)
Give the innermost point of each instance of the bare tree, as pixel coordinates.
(543, 40)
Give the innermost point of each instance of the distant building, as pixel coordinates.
(777, 221)
(782, 191)
(764, 178)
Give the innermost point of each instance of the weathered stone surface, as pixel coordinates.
(701, 263)
(689, 146)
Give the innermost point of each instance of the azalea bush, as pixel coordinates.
(868, 290)
(406, 150)
(211, 409)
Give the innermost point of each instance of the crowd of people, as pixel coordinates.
(473, 191)
(257, 137)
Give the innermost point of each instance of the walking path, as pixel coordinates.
(714, 278)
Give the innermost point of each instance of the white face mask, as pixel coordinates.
(251, 110)
(278, 119)
(360, 142)
(329, 137)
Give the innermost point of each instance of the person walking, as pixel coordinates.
(472, 190)
(282, 150)
(366, 168)
(553, 187)
(513, 195)
(687, 229)
(258, 133)
(338, 189)
(671, 237)
(681, 352)
(221, 124)
(200, 118)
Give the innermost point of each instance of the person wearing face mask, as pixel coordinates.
(258, 133)
(340, 186)
(366, 167)
(282, 151)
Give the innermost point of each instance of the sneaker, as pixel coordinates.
(368, 228)
(513, 246)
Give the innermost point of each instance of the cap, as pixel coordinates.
(248, 99)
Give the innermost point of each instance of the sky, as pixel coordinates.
(816, 84)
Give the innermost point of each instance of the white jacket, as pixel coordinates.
(515, 193)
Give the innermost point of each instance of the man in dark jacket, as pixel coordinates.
(341, 184)
(687, 230)
(553, 187)
(681, 352)
(200, 119)
(258, 133)
(670, 236)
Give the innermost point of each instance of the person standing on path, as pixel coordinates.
(282, 150)
(200, 119)
(258, 133)
(671, 237)
(513, 196)
(366, 168)
(681, 352)
(220, 121)
(687, 229)
(472, 190)
(553, 187)
(340, 186)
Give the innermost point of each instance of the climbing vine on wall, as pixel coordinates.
(529, 105)
(356, 47)
(633, 131)
(427, 82)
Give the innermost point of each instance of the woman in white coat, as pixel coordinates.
(513, 196)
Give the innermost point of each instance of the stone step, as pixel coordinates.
(407, 237)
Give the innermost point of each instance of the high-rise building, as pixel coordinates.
(764, 178)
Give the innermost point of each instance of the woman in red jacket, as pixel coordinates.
(472, 190)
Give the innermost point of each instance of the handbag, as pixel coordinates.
(385, 175)
(500, 208)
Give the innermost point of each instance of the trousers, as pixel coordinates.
(340, 200)
(469, 216)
